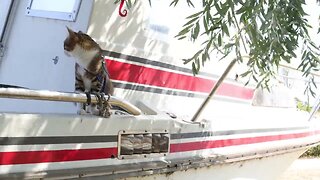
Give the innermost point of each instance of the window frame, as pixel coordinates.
(67, 16)
(5, 27)
(5, 24)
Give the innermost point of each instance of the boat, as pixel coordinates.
(166, 123)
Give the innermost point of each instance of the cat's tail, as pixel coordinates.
(108, 89)
(108, 86)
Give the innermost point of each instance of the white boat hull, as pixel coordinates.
(256, 168)
(71, 146)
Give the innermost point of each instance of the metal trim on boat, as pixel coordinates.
(18, 93)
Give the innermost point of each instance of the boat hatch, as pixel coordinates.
(143, 144)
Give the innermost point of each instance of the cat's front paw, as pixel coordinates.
(82, 112)
(105, 113)
(95, 112)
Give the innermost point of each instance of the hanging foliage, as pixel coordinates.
(267, 32)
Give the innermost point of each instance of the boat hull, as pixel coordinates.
(72, 146)
(255, 168)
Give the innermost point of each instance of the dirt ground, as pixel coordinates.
(303, 169)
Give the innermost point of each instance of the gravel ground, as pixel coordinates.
(303, 169)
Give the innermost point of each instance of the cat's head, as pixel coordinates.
(71, 41)
(79, 40)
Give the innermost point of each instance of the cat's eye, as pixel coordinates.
(67, 48)
(66, 45)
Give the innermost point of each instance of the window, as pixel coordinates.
(54, 9)
(166, 21)
(5, 9)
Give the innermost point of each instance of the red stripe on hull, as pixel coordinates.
(199, 145)
(29, 157)
(149, 76)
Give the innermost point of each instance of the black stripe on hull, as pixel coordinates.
(56, 140)
(231, 132)
(114, 138)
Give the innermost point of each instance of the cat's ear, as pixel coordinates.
(71, 33)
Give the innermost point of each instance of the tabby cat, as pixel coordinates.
(91, 76)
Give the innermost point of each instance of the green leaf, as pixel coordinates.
(219, 40)
(186, 61)
(313, 82)
(218, 9)
(231, 4)
(129, 4)
(286, 58)
(194, 15)
(209, 44)
(224, 8)
(210, 2)
(194, 69)
(312, 92)
(245, 73)
(304, 54)
(182, 37)
(196, 31)
(184, 31)
(229, 45)
(247, 83)
(225, 29)
(209, 17)
(230, 21)
(191, 21)
(204, 58)
(242, 10)
(213, 28)
(190, 3)
(197, 54)
(205, 24)
(197, 64)
(174, 3)
(255, 79)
